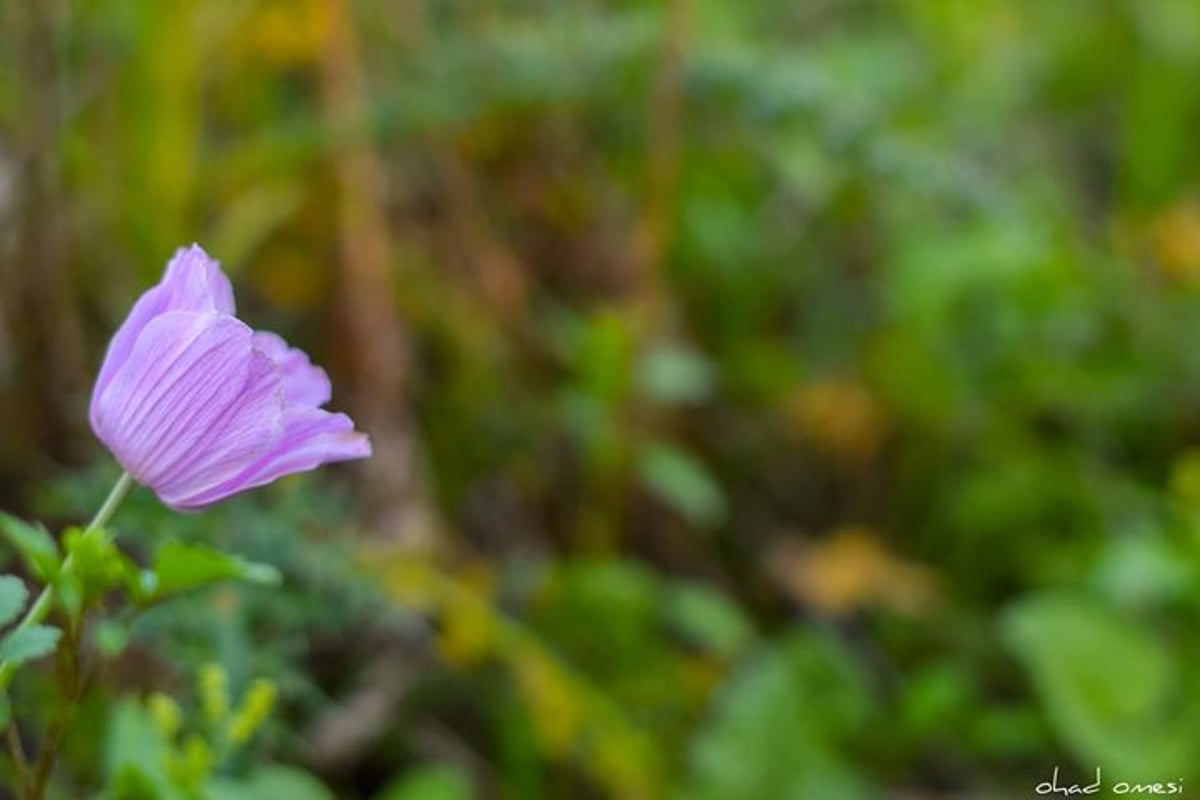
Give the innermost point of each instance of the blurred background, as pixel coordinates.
(770, 399)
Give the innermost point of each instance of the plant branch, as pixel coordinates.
(16, 750)
(41, 607)
(32, 782)
(70, 685)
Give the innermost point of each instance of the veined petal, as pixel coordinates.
(195, 282)
(192, 282)
(250, 427)
(311, 437)
(303, 382)
(192, 391)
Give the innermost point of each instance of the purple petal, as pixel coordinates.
(303, 383)
(192, 282)
(192, 404)
(195, 282)
(250, 427)
(311, 437)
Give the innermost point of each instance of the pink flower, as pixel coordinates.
(198, 406)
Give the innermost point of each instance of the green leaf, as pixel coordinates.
(111, 637)
(33, 544)
(675, 375)
(435, 782)
(13, 596)
(180, 567)
(683, 482)
(29, 644)
(779, 727)
(1106, 682)
(269, 783)
(97, 566)
(708, 618)
(135, 756)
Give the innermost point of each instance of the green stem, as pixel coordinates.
(118, 493)
(41, 607)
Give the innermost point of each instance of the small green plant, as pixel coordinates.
(158, 750)
(81, 578)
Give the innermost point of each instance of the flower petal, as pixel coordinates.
(303, 383)
(192, 397)
(195, 282)
(192, 282)
(250, 427)
(311, 437)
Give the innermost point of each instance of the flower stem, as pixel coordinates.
(41, 607)
(118, 493)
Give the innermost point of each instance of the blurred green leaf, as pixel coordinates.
(180, 567)
(675, 375)
(602, 355)
(1144, 569)
(13, 596)
(33, 543)
(29, 644)
(436, 782)
(97, 566)
(621, 598)
(934, 699)
(269, 783)
(1106, 682)
(680, 480)
(777, 728)
(708, 618)
(135, 756)
(111, 637)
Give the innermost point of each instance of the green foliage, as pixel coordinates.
(180, 567)
(675, 375)
(780, 726)
(33, 544)
(29, 644)
(1108, 684)
(686, 290)
(154, 752)
(576, 715)
(439, 782)
(13, 596)
(25, 642)
(135, 757)
(708, 619)
(683, 483)
(270, 783)
(96, 566)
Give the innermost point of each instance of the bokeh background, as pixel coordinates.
(770, 399)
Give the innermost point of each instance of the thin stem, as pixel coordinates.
(118, 493)
(70, 685)
(41, 607)
(16, 751)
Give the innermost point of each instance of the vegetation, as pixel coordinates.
(769, 400)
